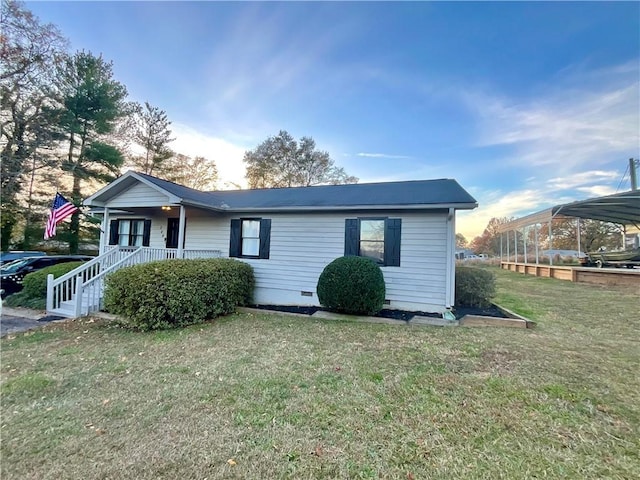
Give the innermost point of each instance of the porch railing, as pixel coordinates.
(81, 290)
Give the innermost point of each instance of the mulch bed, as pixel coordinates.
(459, 312)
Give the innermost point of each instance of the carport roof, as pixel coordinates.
(622, 208)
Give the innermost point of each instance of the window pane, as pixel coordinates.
(372, 230)
(137, 227)
(136, 240)
(123, 233)
(250, 246)
(250, 228)
(123, 228)
(373, 250)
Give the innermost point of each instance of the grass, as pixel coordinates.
(261, 396)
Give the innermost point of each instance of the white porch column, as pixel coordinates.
(181, 233)
(104, 231)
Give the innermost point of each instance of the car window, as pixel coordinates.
(13, 267)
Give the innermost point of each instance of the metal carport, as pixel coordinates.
(621, 208)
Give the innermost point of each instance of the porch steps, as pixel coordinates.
(86, 283)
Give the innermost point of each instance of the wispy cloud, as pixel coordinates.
(383, 155)
(571, 140)
(268, 61)
(569, 127)
(582, 179)
(535, 196)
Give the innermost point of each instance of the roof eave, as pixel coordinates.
(336, 208)
(94, 200)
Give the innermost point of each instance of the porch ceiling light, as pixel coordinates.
(166, 207)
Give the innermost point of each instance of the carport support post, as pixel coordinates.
(535, 232)
(501, 246)
(508, 252)
(181, 233)
(524, 239)
(550, 242)
(515, 241)
(578, 235)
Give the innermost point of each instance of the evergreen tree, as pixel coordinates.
(91, 105)
(151, 131)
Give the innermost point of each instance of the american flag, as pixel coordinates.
(61, 209)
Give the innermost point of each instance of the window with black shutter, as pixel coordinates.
(130, 232)
(375, 238)
(250, 238)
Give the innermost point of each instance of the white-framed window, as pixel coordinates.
(250, 232)
(130, 233)
(372, 239)
(375, 238)
(250, 238)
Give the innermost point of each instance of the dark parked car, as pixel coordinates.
(12, 273)
(11, 255)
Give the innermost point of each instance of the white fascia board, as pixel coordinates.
(459, 206)
(205, 206)
(92, 200)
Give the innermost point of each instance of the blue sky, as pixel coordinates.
(526, 104)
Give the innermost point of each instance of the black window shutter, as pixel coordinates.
(146, 233)
(234, 238)
(351, 237)
(265, 237)
(113, 232)
(392, 234)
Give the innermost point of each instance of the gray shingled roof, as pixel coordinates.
(417, 193)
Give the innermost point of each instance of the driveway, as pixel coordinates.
(15, 320)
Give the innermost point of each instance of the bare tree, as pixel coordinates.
(199, 173)
(29, 54)
(280, 161)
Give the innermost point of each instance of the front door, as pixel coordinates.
(173, 230)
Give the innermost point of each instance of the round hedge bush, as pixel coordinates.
(475, 287)
(352, 285)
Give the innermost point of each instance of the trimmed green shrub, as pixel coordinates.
(34, 284)
(475, 287)
(175, 293)
(352, 285)
(19, 299)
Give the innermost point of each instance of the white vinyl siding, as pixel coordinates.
(139, 195)
(303, 244)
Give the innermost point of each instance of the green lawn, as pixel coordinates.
(260, 396)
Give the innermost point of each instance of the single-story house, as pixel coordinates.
(289, 235)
